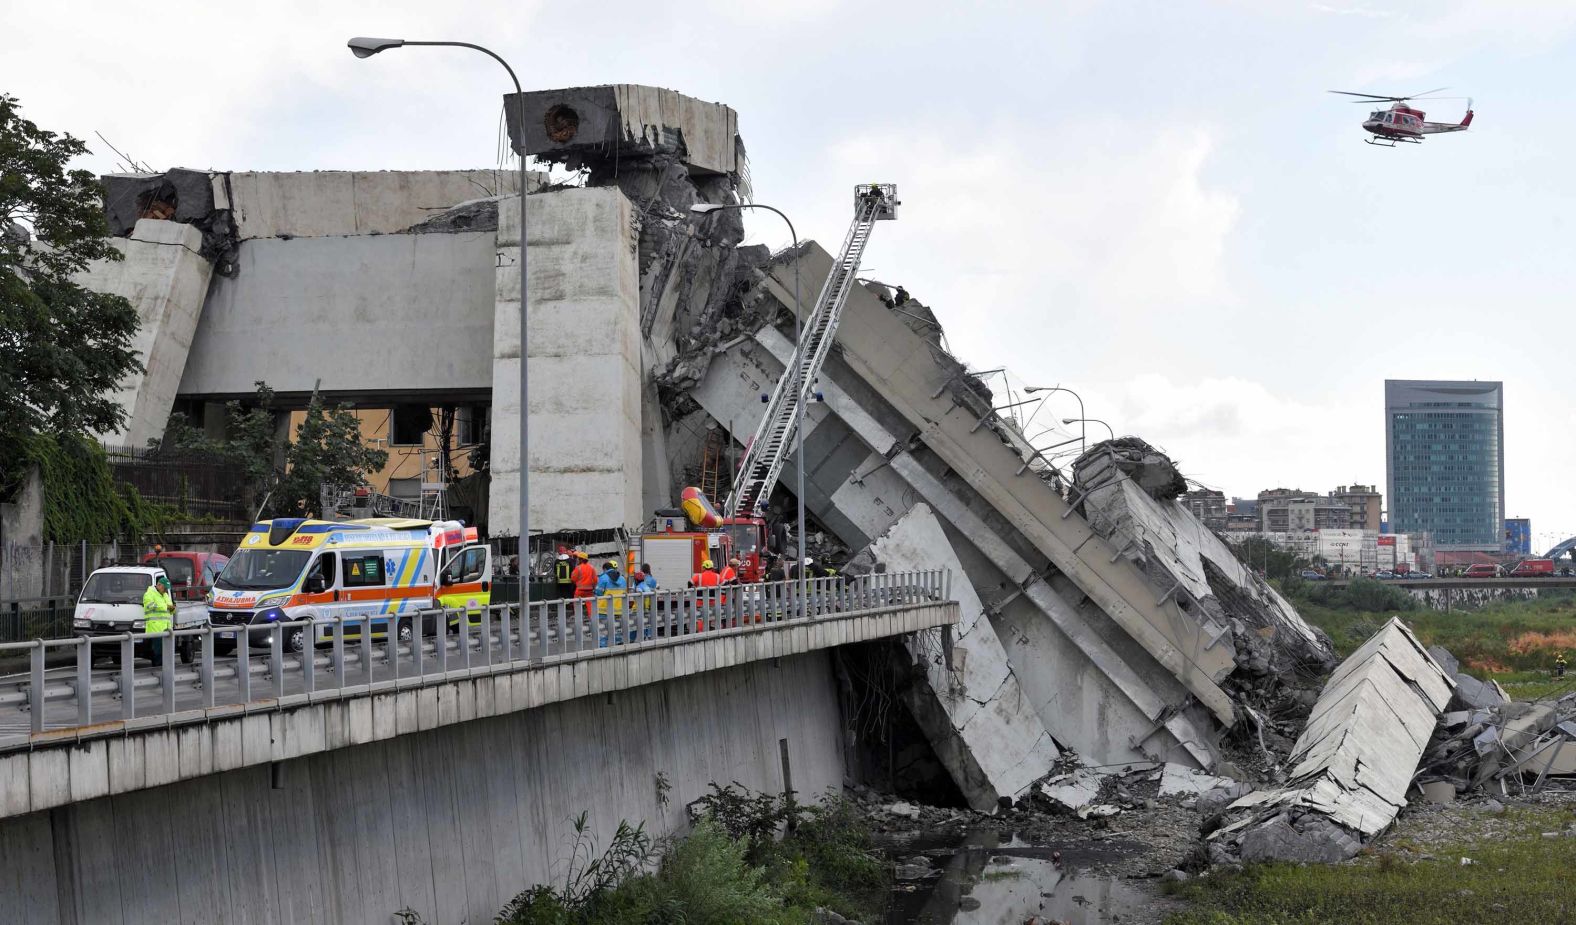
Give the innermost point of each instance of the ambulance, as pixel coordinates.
(384, 570)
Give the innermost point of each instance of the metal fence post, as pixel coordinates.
(503, 632)
(442, 641)
(35, 686)
(207, 667)
(243, 663)
(309, 655)
(276, 658)
(366, 643)
(464, 635)
(167, 659)
(128, 677)
(84, 680)
(337, 664)
(487, 634)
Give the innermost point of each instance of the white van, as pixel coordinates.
(111, 604)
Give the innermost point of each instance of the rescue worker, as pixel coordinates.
(777, 571)
(707, 577)
(644, 580)
(562, 572)
(611, 579)
(158, 614)
(584, 578)
(730, 572)
(1559, 665)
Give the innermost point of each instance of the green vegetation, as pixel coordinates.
(64, 347)
(750, 858)
(1512, 642)
(1361, 594)
(1272, 560)
(327, 450)
(82, 501)
(1515, 876)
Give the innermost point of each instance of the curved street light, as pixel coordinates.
(1091, 420)
(366, 47)
(707, 208)
(1083, 432)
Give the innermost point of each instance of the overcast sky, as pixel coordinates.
(1156, 204)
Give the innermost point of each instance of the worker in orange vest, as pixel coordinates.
(730, 572)
(584, 577)
(707, 577)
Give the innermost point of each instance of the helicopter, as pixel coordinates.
(1401, 123)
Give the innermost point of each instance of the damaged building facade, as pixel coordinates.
(1099, 616)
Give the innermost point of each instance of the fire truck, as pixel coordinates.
(742, 529)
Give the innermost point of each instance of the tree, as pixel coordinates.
(286, 477)
(327, 451)
(63, 348)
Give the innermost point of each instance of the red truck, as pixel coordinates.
(1533, 568)
(1481, 570)
(191, 573)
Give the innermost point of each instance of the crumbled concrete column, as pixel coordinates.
(166, 280)
(981, 725)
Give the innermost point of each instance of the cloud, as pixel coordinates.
(1353, 11)
(1110, 222)
(1240, 436)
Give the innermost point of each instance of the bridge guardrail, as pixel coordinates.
(426, 647)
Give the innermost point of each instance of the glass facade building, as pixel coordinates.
(1445, 461)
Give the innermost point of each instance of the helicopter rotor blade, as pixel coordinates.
(1424, 93)
(1370, 96)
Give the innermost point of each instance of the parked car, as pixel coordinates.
(1309, 574)
(191, 573)
(1481, 570)
(111, 604)
(1384, 575)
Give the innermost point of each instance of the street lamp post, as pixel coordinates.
(706, 208)
(1083, 431)
(1091, 420)
(364, 47)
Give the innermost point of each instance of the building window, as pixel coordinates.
(408, 489)
(409, 425)
(470, 424)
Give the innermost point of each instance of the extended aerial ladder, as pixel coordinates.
(768, 449)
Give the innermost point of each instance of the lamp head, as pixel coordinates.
(363, 47)
(706, 208)
(1071, 420)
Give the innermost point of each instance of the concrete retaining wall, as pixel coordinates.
(451, 822)
(341, 202)
(380, 315)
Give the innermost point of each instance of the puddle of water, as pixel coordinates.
(985, 879)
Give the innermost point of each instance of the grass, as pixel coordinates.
(1516, 876)
(1513, 641)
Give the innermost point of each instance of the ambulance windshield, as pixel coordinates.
(262, 569)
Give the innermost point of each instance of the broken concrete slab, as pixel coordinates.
(631, 120)
(1178, 780)
(1353, 763)
(982, 727)
(1074, 791)
(1128, 491)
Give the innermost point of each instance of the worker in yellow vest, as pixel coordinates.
(158, 614)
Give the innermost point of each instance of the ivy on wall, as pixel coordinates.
(82, 501)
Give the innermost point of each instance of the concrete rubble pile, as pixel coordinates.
(1353, 764)
(1486, 742)
(1128, 491)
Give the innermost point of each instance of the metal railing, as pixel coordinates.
(358, 655)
